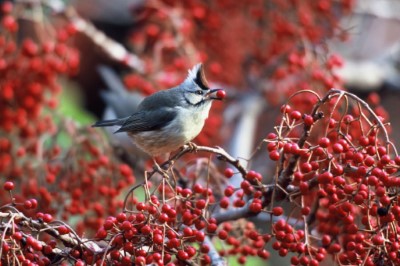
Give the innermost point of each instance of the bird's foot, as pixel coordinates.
(192, 146)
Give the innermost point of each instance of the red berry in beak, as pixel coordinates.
(221, 94)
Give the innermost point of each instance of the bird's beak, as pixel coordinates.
(215, 94)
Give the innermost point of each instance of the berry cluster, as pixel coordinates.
(240, 42)
(344, 183)
(46, 156)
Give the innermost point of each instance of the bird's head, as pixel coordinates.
(196, 90)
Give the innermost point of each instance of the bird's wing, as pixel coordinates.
(111, 122)
(148, 120)
(169, 99)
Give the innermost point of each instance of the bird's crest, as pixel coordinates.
(198, 76)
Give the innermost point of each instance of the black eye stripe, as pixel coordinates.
(194, 104)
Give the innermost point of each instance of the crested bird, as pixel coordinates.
(169, 119)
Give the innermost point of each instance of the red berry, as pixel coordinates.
(211, 228)
(36, 245)
(186, 192)
(79, 263)
(224, 203)
(369, 161)
(182, 255)
(228, 172)
(101, 233)
(334, 248)
(204, 248)
(251, 175)
(63, 230)
(126, 225)
(337, 148)
(9, 23)
(229, 190)
(27, 204)
(286, 109)
(201, 204)
(198, 188)
(255, 207)
(262, 253)
(295, 260)
(277, 211)
(364, 141)
(17, 236)
(7, 7)
(385, 159)
(295, 115)
(325, 178)
(308, 120)
(304, 260)
(141, 206)
(324, 142)
(108, 224)
(8, 186)
(34, 203)
(47, 218)
(326, 240)
(242, 259)
(163, 218)
(146, 230)
(283, 252)
(221, 94)
(272, 146)
(200, 236)
(140, 260)
(377, 240)
(222, 234)
(305, 167)
(381, 150)
(158, 239)
(305, 210)
(121, 217)
(115, 254)
(272, 136)
(191, 251)
(187, 231)
(274, 155)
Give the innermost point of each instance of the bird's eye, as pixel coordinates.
(199, 92)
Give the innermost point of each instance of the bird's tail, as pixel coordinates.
(108, 123)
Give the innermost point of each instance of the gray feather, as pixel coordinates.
(108, 123)
(148, 120)
(166, 98)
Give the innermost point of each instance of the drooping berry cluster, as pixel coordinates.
(344, 183)
(46, 156)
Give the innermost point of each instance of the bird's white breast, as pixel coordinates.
(192, 120)
(186, 126)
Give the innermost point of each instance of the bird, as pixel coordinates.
(168, 119)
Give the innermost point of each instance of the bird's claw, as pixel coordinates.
(192, 147)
